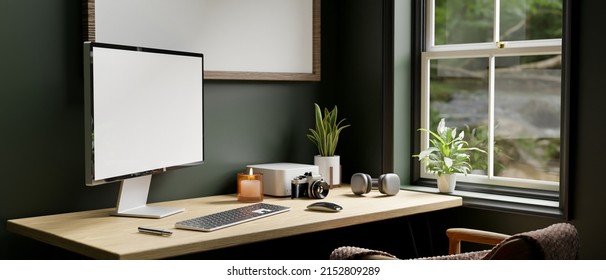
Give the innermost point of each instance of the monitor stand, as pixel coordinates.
(132, 200)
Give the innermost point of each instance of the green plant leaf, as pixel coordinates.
(327, 130)
(448, 153)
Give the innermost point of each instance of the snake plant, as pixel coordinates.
(327, 129)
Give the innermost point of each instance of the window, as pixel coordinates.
(494, 69)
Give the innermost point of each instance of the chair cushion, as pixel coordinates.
(556, 242)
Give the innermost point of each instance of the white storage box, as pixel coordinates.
(277, 177)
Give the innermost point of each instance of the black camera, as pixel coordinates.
(309, 185)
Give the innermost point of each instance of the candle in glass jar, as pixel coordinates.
(250, 187)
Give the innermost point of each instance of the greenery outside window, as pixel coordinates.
(495, 70)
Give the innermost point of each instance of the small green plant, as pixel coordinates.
(448, 153)
(326, 133)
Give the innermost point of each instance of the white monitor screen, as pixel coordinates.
(146, 109)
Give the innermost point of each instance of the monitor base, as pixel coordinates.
(133, 199)
(154, 212)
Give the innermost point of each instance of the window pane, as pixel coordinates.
(463, 21)
(527, 116)
(531, 19)
(458, 93)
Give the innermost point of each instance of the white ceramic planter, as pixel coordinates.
(324, 164)
(447, 182)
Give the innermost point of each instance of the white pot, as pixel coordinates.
(324, 164)
(447, 182)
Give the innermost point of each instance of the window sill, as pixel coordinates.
(503, 203)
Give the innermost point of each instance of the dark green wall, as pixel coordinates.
(42, 130)
(359, 84)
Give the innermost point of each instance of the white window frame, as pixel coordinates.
(490, 51)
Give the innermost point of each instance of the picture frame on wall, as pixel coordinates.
(241, 39)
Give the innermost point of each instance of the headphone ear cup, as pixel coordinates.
(389, 184)
(361, 183)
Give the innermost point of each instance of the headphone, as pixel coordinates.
(388, 184)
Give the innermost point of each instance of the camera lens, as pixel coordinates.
(318, 189)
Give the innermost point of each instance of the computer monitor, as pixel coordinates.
(143, 116)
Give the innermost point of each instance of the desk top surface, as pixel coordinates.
(98, 234)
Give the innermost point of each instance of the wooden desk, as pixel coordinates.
(97, 234)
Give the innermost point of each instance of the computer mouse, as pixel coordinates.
(325, 206)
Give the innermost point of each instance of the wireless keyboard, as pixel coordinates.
(231, 217)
